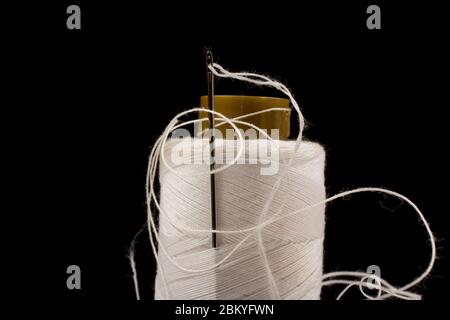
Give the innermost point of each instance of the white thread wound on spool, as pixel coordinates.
(293, 246)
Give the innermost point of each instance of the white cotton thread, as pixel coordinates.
(131, 254)
(231, 216)
(206, 286)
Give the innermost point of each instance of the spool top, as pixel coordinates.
(234, 106)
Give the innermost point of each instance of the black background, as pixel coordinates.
(86, 106)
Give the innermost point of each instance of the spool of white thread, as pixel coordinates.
(188, 268)
(293, 246)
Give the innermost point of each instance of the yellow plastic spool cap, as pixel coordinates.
(235, 106)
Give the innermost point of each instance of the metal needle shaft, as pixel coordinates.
(210, 82)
